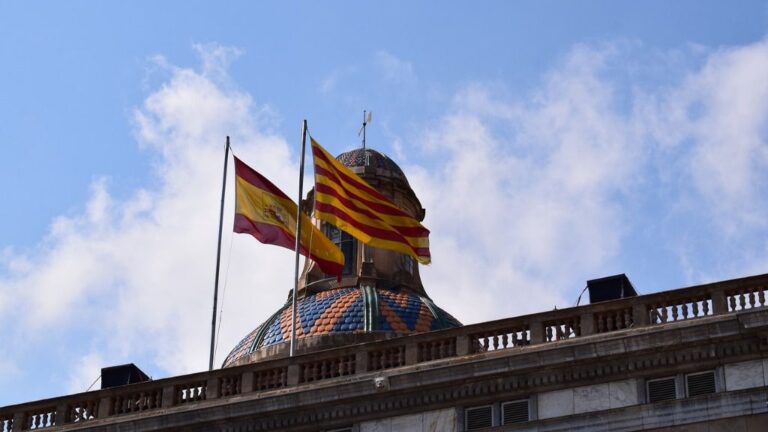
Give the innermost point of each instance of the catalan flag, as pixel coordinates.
(265, 212)
(347, 201)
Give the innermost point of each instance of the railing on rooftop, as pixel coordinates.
(477, 339)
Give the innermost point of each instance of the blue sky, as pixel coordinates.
(551, 142)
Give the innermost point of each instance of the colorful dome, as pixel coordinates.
(357, 158)
(380, 295)
(393, 312)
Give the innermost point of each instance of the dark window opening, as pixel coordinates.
(406, 263)
(348, 246)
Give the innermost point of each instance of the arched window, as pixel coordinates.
(347, 244)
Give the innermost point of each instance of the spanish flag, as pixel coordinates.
(265, 212)
(347, 201)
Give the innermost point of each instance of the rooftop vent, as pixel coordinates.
(115, 376)
(610, 288)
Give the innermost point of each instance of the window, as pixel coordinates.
(406, 263)
(515, 412)
(347, 244)
(662, 389)
(700, 383)
(480, 417)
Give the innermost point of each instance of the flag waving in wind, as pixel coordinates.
(265, 212)
(347, 201)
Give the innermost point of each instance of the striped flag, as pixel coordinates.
(347, 201)
(265, 212)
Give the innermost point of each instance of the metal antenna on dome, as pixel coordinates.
(367, 118)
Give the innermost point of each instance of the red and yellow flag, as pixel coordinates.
(347, 201)
(265, 212)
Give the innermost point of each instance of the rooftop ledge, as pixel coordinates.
(607, 328)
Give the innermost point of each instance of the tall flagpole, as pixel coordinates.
(218, 256)
(298, 239)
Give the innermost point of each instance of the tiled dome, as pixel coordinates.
(357, 158)
(380, 297)
(396, 312)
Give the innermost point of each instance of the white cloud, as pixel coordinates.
(394, 69)
(331, 81)
(86, 373)
(522, 196)
(138, 273)
(719, 115)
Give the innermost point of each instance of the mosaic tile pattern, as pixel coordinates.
(403, 312)
(343, 311)
(355, 158)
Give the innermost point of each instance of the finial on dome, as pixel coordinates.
(367, 118)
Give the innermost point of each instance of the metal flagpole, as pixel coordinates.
(298, 239)
(218, 256)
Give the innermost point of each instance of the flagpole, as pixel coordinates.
(218, 256)
(298, 239)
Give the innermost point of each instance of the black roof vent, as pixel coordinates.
(610, 288)
(115, 376)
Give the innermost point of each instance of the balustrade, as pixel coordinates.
(138, 401)
(325, 369)
(229, 385)
(608, 321)
(40, 418)
(679, 309)
(83, 410)
(746, 298)
(270, 379)
(386, 358)
(565, 328)
(436, 349)
(551, 326)
(500, 339)
(6, 423)
(191, 392)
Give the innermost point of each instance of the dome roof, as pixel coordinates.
(357, 158)
(340, 311)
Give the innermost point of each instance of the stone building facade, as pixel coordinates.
(375, 354)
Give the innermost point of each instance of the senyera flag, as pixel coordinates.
(347, 201)
(265, 212)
